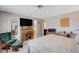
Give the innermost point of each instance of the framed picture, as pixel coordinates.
(14, 27)
(64, 22)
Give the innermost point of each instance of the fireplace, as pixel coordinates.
(27, 34)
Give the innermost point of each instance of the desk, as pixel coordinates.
(61, 34)
(50, 33)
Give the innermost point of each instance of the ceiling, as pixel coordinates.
(34, 11)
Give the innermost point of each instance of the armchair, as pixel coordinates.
(6, 40)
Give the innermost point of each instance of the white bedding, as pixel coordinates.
(52, 44)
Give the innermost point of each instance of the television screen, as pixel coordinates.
(51, 30)
(26, 22)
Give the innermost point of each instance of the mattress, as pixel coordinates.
(52, 44)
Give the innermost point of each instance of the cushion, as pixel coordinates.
(10, 42)
(17, 43)
(5, 37)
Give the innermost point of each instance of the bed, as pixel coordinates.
(52, 44)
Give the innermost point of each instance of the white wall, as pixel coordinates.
(54, 22)
(5, 23)
(5, 20)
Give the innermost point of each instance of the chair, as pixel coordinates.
(16, 45)
(6, 40)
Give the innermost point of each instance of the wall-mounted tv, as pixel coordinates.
(26, 22)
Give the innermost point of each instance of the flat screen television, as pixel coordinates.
(26, 22)
(51, 30)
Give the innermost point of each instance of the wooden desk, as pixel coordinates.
(61, 34)
(50, 33)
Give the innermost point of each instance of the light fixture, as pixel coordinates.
(40, 6)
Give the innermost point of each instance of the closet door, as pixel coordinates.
(14, 28)
(40, 28)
